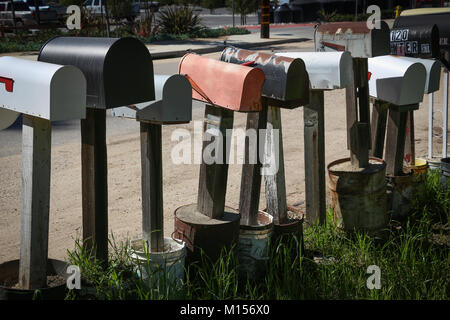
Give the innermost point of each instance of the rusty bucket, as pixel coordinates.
(253, 246)
(359, 196)
(204, 234)
(400, 193)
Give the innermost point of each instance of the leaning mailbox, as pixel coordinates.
(397, 80)
(118, 72)
(43, 93)
(230, 86)
(327, 70)
(173, 102)
(286, 84)
(416, 41)
(44, 90)
(354, 37)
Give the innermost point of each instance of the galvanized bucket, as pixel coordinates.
(434, 163)
(445, 173)
(160, 268)
(359, 197)
(253, 246)
(401, 191)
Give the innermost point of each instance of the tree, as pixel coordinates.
(211, 4)
(244, 7)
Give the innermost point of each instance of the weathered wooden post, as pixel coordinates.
(327, 71)
(118, 73)
(43, 93)
(209, 225)
(400, 82)
(286, 86)
(172, 105)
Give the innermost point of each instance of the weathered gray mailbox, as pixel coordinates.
(173, 105)
(209, 225)
(327, 71)
(119, 72)
(43, 93)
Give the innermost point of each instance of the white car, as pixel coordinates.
(96, 8)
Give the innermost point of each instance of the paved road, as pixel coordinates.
(69, 131)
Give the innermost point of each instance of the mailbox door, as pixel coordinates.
(326, 70)
(118, 71)
(7, 118)
(396, 80)
(433, 69)
(287, 83)
(44, 90)
(223, 84)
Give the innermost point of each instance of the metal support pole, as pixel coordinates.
(232, 5)
(265, 19)
(445, 116)
(430, 125)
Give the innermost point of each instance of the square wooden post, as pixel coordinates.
(379, 118)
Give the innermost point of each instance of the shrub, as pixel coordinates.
(179, 20)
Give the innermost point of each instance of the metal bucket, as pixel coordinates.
(445, 173)
(400, 192)
(434, 163)
(359, 197)
(253, 246)
(9, 272)
(160, 268)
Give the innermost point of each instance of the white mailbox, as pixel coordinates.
(172, 104)
(326, 70)
(49, 91)
(7, 118)
(397, 80)
(433, 68)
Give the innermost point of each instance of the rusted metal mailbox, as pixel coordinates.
(287, 83)
(229, 86)
(173, 104)
(286, 86)
(43, 93)
(209, 225)
(354, 37)
(420, 41)
(119, 72)
(327, 71)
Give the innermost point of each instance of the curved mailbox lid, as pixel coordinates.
(354, 37)
(287, 82)
(326, 70)
(227, 85)
(173, 102)
(396, 80)
(7, 118)
(419, 41)
(43, 90)
(118, 71)
(433, 69)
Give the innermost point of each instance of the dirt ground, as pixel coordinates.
(180, 181)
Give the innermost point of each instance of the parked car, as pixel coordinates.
(151, 4)
(46, 13)
(61, 11)
(95, 7)
(23, 14)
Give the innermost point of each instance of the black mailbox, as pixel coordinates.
(287, 82)
(118, 72)
(416, 41)
(441, 20)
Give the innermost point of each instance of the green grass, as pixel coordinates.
(413, 259)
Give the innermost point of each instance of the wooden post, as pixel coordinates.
(265, 19)
(274, 178)
(379, 118)
(358, 130)
(36, 163)
(214, 171)
(395, 142)
(251, 172)
(314, 141)
(152, 186)
(410, 148)
(95, 182)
